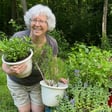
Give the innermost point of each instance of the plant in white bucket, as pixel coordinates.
(17, 51)
(51, 69)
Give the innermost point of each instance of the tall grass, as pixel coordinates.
(6, 101)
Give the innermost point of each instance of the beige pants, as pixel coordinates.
(23, 95)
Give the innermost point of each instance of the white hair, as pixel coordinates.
(40, 9)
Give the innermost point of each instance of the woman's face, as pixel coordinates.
(39, 25)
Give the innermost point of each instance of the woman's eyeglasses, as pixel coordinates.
(39, 21)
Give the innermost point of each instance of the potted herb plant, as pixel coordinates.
(17, 51)
(51, 69)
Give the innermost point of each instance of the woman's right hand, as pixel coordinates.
(14, 70)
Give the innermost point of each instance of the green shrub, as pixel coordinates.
(91, 65)
(89, 72)
(62, 43)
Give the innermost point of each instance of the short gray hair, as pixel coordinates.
(40, 9)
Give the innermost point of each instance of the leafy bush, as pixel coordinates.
(89, 73)
(91, 65)
(62, 43)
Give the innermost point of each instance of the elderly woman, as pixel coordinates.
(26, 91)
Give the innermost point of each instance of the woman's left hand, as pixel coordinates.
(63, 80)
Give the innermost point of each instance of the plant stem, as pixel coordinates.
(41, 73)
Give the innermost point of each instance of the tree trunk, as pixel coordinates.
(104, 18)
(105, 42)
(24, 5)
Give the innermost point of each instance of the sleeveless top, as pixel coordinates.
(35, 76)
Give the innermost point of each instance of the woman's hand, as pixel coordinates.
(14, 70)
(63, 80)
